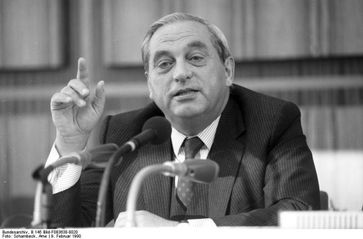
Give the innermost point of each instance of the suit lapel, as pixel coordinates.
(227, 151)
(156, 188)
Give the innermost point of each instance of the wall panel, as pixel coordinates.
(255, 29)
(340, 175)
(346, 30)
(29, 144)
(32, 34)
(282, 28)
(4, 167)
(217, 12)
(125, 24)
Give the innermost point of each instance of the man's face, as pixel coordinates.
(186, 77)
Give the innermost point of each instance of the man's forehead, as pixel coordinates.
(179, 33)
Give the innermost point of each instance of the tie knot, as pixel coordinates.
(192, 146)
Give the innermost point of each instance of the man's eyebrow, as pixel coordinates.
(198, 44)
(159, 54)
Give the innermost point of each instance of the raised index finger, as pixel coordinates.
(82, 73)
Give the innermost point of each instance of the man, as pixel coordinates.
(265, 163)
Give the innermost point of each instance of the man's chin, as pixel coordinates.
(187, 112)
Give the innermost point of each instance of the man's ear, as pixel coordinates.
(229, 70)
(149, 87)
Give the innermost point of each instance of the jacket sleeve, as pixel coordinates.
(76, 206)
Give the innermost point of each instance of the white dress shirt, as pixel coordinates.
(63, 177)
(206, 136)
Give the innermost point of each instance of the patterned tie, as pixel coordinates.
(184, 187)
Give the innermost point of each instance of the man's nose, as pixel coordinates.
(182, 72)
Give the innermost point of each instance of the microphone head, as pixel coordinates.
(98, 156)
(201, 170)
(160, 127)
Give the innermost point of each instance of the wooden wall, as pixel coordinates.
(306, 51)
(256, 29)
(31, 34)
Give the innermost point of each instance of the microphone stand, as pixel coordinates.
(135, 188)
(46, 204)
(42, 201)
(37, 202)
(101, 201)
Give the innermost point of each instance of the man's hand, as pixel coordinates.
(145, 219)
(75, 113)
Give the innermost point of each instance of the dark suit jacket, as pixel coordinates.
(265, 166)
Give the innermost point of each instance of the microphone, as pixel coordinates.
(97, 157)
(195, 170)
(155, 130)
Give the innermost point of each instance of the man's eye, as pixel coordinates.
(196, 59)
(165, 64)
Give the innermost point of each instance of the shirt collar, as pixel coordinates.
(207, 136)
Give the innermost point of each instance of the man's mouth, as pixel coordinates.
(185, 91)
